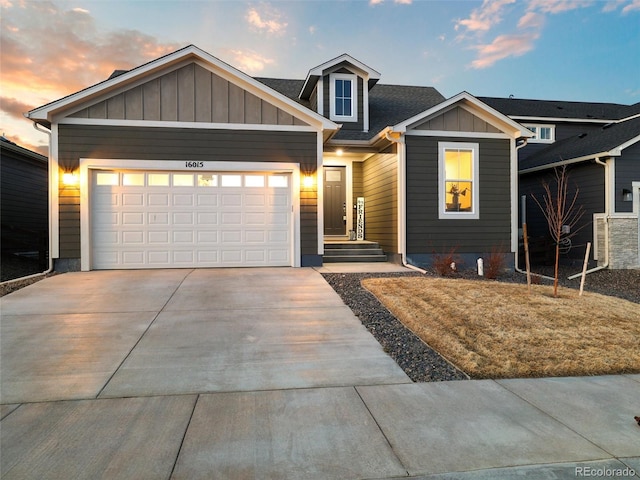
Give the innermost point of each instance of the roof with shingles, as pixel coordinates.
(516, 107)
(588, 144)
(388, 104)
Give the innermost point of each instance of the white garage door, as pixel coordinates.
(183, 219)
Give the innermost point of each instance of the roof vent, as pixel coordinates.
(582, 135)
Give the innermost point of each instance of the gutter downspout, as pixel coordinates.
(516, 267)
(50, 268)
(402, 165)
(607, 208)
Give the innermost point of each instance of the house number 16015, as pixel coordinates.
(194, 164)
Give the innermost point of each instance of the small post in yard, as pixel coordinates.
(584, 267)
(526, 256)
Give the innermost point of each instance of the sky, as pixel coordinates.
(577, 50)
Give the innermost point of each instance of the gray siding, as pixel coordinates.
(589, 178)
(426, 233)
(160, 144)
(189, 94)
(627, 171)
(23, 198)
(380, 189)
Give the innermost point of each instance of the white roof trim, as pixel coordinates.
(46, 112)
(517, 130)
(559, 119)
(569, 162)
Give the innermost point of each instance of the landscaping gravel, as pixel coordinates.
(420, 362)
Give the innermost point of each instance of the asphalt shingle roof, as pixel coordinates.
(388, 104)
(516, 107)
(589, 143)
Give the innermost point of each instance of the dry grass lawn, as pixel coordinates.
(496, 330)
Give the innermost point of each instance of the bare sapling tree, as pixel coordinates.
(561, 212)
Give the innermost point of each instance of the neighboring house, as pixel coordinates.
(187, 162)
(23, 202)
(600, 145)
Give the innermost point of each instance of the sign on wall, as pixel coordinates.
(360, 218)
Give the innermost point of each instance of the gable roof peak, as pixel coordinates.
(369, 74)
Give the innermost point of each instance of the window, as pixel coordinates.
(343, 105)
(542, 133)
(458, 180)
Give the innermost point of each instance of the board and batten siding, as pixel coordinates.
(426, 233)
(189, 94)
(380, 191)
(166, 144)
(457, 119)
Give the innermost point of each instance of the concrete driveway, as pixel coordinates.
(168, 332)
(265, 373)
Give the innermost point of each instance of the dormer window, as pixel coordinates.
(343, 105)
(542, 133)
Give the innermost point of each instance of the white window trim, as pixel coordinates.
(474, 214)
(538, 126)
(354, 97)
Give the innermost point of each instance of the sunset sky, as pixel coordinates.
(580, 50)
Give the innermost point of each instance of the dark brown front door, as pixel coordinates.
(335, 198)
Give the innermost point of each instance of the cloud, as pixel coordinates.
(558, 6)
(267, 21)
(14, 107)
(502, 47)
(64, 50)
(634, 5)
(399, 2)
(485, 16)
(250, 62)
(613, 5)
(531, 20)
(41, 148)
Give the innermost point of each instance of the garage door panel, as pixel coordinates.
(207, 237)
(183, 218)
(183, 237)
(207, 200)
(158, 237)
(133, 199)
(183, 200)
(133, 238)
(160, 220)
(132, 218)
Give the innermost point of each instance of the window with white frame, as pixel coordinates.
(542, 133)
(458, 180)
(343, 103)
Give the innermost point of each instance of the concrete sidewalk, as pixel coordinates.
(265, 373)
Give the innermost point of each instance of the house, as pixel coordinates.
(188, 162)
(600, 145)
(23, 204)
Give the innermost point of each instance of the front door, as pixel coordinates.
(335, 198)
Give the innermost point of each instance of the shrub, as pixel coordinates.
(495, 264)
(442, 263)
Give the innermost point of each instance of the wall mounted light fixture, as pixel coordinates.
(627, 196)
(307, 181)
(69, 178)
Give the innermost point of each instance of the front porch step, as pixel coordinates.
(355, 251)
